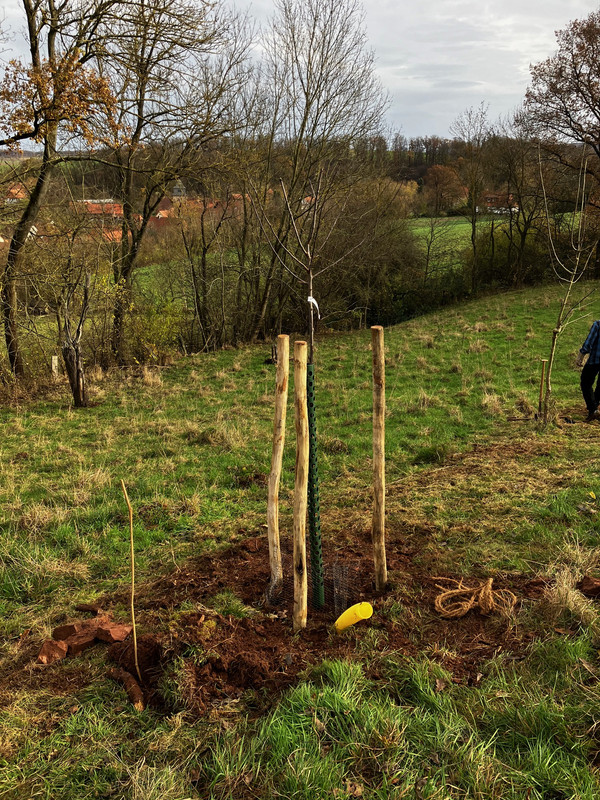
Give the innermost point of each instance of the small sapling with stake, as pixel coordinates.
(569, 273)
(132, 593)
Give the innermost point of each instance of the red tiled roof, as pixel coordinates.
(109, 209)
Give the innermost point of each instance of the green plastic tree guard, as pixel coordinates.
(314, 508)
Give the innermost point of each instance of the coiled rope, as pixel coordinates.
(455, 602)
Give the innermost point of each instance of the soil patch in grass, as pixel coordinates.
(258, 651)
(209, 624)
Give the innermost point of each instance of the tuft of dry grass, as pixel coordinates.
(423, 402)
(523, 405)
(151, 377)
(478, 346)
(491, 404)
(572, 562)
(39, 516)
(95, 374)
(221, 435)
(37, 562)
(332, 445)
(563, 598)
(425, 340)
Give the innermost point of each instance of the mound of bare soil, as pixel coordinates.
(260, 654)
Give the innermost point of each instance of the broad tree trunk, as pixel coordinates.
(17, 243)
(9, 316)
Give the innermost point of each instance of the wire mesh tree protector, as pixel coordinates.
(314, 507)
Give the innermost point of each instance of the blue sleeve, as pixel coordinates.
(592, 336)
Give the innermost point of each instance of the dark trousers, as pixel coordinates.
(591, 396)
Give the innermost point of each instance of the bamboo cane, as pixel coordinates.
(544, 362)
(301, 487)
(378, 525)
(132, 591)
(281, 396)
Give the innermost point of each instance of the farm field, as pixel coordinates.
(404, 705)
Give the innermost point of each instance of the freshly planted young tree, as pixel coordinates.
(323, 100)
(569, 271)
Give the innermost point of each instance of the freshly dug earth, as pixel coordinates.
(222, 658)
(260, 653)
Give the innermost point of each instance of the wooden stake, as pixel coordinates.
(301, 488)
(378, 526)
(281, 396)
(544, 362)
(132, 593)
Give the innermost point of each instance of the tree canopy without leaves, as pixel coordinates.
(563, 100)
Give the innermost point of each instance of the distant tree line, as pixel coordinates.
(186, 194)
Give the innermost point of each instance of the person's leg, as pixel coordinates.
(597, 389)
(588, 375)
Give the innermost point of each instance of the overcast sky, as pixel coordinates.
(439, 57)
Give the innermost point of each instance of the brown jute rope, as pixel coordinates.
(455, 602)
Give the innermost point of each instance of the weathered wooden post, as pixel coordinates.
(301, 487)
(281, 396)
(544, 362)
(378, 526)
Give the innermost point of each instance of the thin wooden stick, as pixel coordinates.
(281, 396)
(544, 362)
(301, 488)
(378, 525)
(132, 594)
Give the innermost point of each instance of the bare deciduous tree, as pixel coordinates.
(472, 128)
(323, 98)
(174, 68)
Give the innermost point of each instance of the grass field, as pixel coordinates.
(482, 488)
(446, 238)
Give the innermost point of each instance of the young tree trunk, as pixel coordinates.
(71, 346)
(74, 366)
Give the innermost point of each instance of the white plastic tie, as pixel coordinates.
(316, 305)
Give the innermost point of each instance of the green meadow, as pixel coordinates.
(498, 494)
(446, 237)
